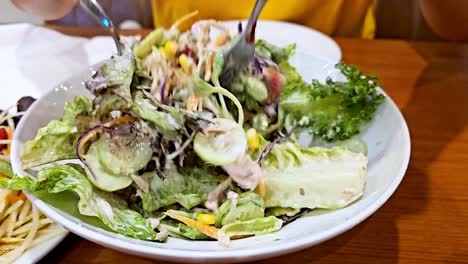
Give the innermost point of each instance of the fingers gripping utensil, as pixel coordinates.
(94, 9)
(242, 51)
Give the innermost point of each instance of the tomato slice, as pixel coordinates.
(3, 136)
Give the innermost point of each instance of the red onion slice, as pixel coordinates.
(267, 61)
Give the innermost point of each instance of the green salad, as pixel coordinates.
(162, 149)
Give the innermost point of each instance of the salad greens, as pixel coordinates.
(161, 151)
(57, 140)
(180, 230)
(109, 208)
(256, 226)
(116, 77)
(313, 177)
(248, 205)
(188, 188)
(272, 52)
(334, 110)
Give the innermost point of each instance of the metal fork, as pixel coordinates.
(242, 52)
(94, 9)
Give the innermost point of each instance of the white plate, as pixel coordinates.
(283, 33)
(387, 137)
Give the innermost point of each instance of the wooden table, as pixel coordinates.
(426, 219)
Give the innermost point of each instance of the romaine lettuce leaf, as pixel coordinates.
(80, 105)
(354, 144)
(182, 229)
(57, 140)
(116, 76)
(13, 182)
(191, 215)
(248, 205)
(334, 110)
(188, 188)
(191, 232)
(278, 54)
(5, 169)
(110, 209)
(106, 102)
(257, 226)
(171, 228)
(168, 124)
(279, 211)
(313, 177)
(170, 121)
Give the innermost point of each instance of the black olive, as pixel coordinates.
(23, 105)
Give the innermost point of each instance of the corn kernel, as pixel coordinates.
(207, 219)
(253, 140)
(170, 49)
(186, 63)
(161, 51)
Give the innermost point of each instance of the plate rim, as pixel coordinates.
(339, 54)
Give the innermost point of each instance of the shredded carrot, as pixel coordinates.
(13, 197)
(167, 88)
(248, 115)
(192, 102)
(221, 39)
(239, 237)
(200, 105)
(183, 19)
(210, 231)
(208, 66)
(3, 136)
(222, 177)
(261, 188)
(120, 120)
(272, 128)
(10, 137)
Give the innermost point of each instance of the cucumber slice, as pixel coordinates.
(104, 180)
(223, 142)
(119, 158)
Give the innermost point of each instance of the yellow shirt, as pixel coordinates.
(350, 18)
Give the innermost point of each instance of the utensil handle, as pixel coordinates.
(94, 9)
(250, 28)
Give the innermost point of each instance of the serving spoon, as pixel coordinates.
(241, 53)
(94, 9)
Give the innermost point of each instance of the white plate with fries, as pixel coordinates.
(39, 251)
(27, 235)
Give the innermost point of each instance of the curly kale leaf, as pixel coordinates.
(333, 110)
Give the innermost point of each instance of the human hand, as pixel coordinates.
(47, 9)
